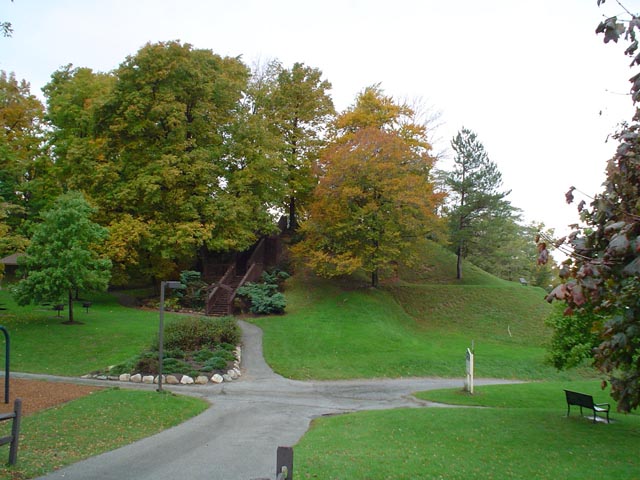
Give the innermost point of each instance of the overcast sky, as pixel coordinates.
(531, 78)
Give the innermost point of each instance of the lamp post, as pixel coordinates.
(170, 284)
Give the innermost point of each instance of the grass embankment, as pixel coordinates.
(418, 326)
(524, 435)
(102, 421)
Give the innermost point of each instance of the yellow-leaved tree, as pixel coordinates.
(375, 201)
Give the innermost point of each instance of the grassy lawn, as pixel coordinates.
(524, 434)
(333, 332)
(110, 333)
(91, 425)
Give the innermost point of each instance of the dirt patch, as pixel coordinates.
(39, 394)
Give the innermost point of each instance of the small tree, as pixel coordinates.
(474, 185)
(61, 258)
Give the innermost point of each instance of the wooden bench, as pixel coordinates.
(582, 400)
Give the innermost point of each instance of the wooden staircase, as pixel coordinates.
(222, 293)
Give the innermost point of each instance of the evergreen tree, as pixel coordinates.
(475, 197)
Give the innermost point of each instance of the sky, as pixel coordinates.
(530, 78)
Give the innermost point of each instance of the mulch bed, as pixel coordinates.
(37, 395)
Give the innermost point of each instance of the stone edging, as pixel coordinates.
(178, 379)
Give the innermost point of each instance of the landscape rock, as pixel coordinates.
(227, 378)
(147, 379)
(125, 377)
(233, 374)
(172, 380)
(186, 380)
(217, 378)
(202, 380)
(137, 378)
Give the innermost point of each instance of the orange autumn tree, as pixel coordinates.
(375, 201)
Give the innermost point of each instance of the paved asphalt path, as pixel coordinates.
(237, 437)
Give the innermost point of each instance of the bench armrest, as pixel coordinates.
(602, 405)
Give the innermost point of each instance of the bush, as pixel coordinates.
(203, 355)
(195, 333)
(193, 295)
(264, 298)
(215, 363)
(173, 365)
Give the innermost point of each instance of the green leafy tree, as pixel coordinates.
(61, 258)
(475, 197)
(299, 108)
(602, 275)
(183, 166)
(74, 96)
(375, 201)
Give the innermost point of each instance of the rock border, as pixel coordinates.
(178, 379)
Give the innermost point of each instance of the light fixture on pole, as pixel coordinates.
(169, 284)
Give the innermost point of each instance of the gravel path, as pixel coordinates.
(236, 438)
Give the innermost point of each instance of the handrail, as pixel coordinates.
(248, 277)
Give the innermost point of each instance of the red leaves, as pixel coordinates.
(569, 195)
(543, 254)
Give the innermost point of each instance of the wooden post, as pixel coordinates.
(284, 459)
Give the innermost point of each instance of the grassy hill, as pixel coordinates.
(417, 325)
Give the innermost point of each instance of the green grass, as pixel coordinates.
(110, 333)
(338, 330)
(91, 425)
(526, 435)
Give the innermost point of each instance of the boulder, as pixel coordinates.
(172, 380)
(186, 380)
(137, 378)
(147, 379)
(202, 380)
(217, 378)
(125, 377)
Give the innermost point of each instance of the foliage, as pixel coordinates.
(375, 199)
(574, 337)
(165, 146)
(193, 295)
(297, 106)
(275, 277)
(502, 246)
(194, 333)
(264, 298)
(61, 258)
(602, 275)
(477, 205)
(23, 167)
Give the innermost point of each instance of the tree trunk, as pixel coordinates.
(459, 263)
(374, 278)
(293, 219)
(70, 306)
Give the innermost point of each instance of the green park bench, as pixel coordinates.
(582, 400)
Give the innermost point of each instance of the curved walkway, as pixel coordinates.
(236, 438)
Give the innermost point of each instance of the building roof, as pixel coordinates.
(11, 259)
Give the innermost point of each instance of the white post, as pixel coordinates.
(468, 383)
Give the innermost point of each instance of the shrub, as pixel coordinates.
(194, 333)
(173, 365)
(193, 295)
(215, 363)
(263, 297)
(203, 355)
